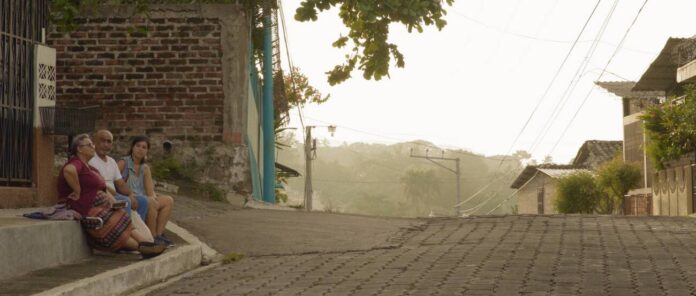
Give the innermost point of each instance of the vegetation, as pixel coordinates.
(368, 24)
(616, 178)
(671, 128)
(577, 193)
(420, 187)
(232, 257)
(374, 179)
(171, 169)
(603, 193)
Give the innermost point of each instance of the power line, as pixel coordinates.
(618, 48)
(412, 142)
(292, 67)
(553, 80)
(570, 89)
(548, 40)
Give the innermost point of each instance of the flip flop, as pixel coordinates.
(148, 250)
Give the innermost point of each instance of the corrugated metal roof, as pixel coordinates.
(558, 173)
(662, 73)
(624, 89)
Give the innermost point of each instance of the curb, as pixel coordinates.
(128, 278)
(139, 278)
(208, 254)
(174, 279)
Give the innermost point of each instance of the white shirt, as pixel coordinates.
(108, 169)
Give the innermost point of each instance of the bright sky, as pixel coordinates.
(474, 84)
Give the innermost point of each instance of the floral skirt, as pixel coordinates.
(115, 230)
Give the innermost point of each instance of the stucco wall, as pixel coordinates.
(527, 196)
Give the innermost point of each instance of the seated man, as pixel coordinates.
(103, 141)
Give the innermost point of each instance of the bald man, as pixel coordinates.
(103, 142)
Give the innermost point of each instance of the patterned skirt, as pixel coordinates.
(115, 230)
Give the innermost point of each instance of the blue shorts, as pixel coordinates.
(142, 204)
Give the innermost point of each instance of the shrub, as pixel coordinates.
(616, 178)
(577, 193)
(671, 128)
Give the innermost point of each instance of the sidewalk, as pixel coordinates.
(52, 258)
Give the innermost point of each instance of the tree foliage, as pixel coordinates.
(368, 24)
(299, 92)
(602, 193)
(367, 21)
(616, 178)
(420, 187)
(671, 128)
(577, 193)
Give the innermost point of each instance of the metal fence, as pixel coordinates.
(21, 23)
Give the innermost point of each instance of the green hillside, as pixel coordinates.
(378, 179)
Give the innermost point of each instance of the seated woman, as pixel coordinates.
(139, 178)
(83, 189)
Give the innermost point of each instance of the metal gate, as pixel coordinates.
(21, 23)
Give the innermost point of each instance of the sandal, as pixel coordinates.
(148, 250)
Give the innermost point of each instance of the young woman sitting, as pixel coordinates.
(139, 178)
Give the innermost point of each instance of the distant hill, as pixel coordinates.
(371, 179)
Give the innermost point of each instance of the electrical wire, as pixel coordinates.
(553, 80)
(618, 48)
(397, 140)
(290, 64)
(570, 89)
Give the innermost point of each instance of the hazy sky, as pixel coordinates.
(474, 84)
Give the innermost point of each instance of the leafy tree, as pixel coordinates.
(671, 128)
(367, 21)
(547, 159)
(299, 92)
(577, 193)
(420, 187)
(616, 178)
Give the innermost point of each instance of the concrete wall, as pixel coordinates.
(527, 195)
(634, 148)
(673, 191)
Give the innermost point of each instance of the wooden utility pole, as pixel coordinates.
(456, 171)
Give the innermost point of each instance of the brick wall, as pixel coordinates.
(165, 81)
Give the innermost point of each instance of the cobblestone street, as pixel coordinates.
(498, 255)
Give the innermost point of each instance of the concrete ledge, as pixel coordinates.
(29, 245)
(135, 276)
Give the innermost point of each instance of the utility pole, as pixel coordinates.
(310, 148)
(456, 172)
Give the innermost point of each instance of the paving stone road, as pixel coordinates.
(497, 255)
